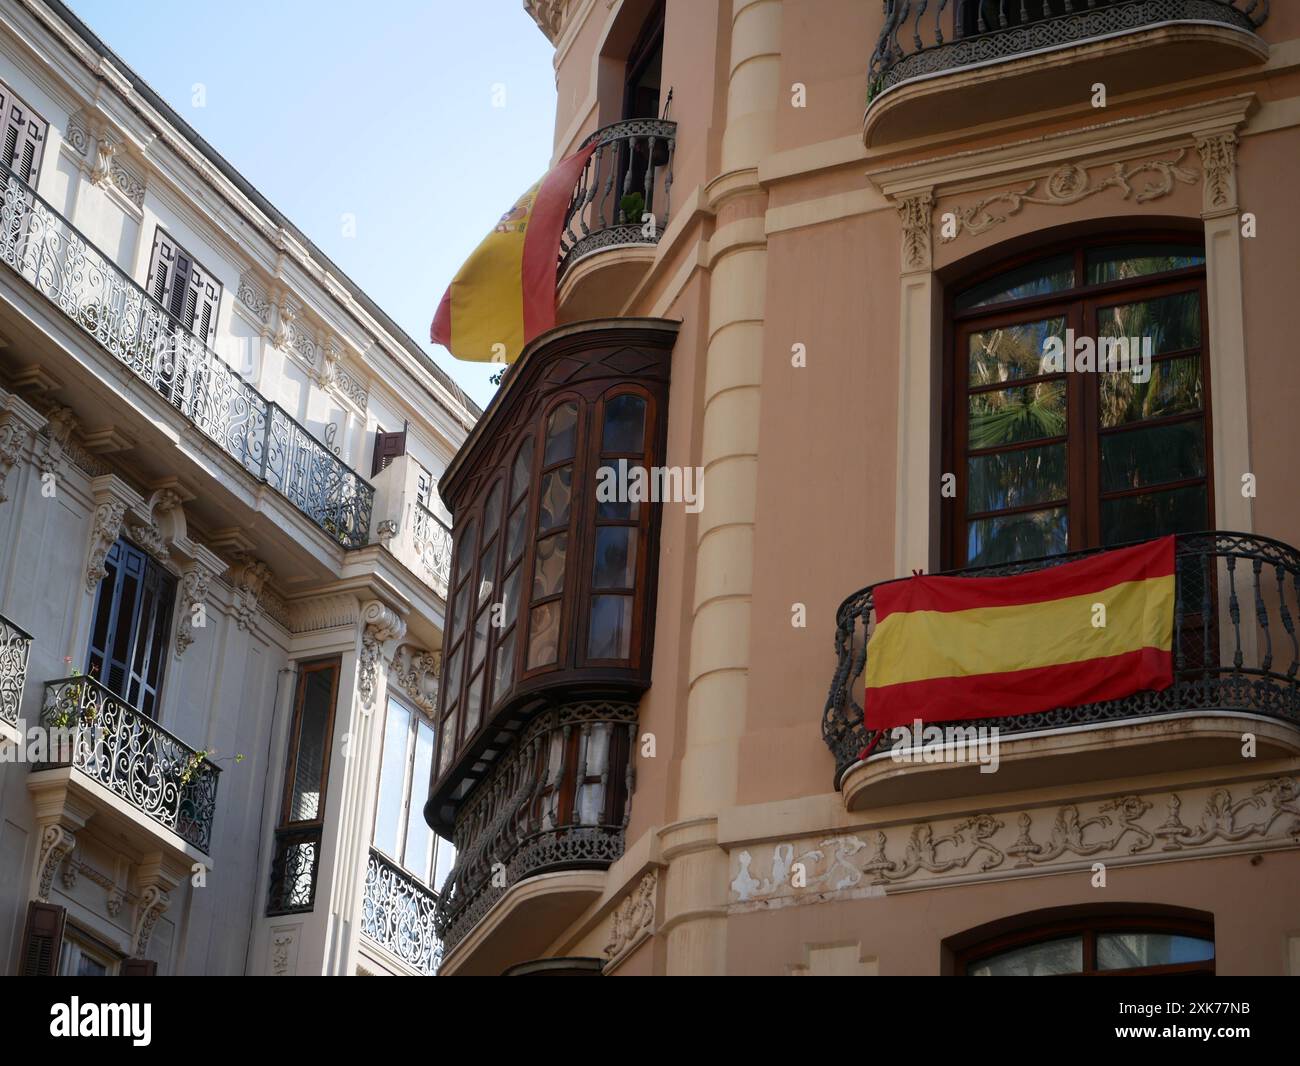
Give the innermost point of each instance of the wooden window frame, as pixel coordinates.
(36, 133)
(335, 664)
(408, 787)
(1079, 304)
(1089, 929)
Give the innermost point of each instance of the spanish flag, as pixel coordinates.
(504, 295)
(949, 648)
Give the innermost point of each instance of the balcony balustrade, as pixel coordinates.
(1010, 56)
(944, 36)
(84, 283)
(432, 541)
(100, 735)
(633, 162)
(557, 800)
(1235, 648)
(397, 914)
(15, 647)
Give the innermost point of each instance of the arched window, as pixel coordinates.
(1137, 946)
(1062, 434)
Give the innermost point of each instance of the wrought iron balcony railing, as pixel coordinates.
(1235, 646)
(560, 799)
(926, 37)
(15, 647)
(433, 541)
(103, 737)
(623, 194)
(53, 256)
(397, 914)
(294, 869)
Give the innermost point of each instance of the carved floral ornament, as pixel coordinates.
(415, 671)
(1125, 829)
(634, 918)
(380, 624)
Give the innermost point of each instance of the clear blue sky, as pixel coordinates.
(383, 110)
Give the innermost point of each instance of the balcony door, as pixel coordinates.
(1061, 434)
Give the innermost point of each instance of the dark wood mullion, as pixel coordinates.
(1150, 423)
(1020, 508)
(1018, 446)
(1015, 383)
(1153, 490)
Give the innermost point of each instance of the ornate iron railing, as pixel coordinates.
(1229, 655)
(559, 799)
(294, 870)
(432, 540)
(15, 647)
(397, 914)
(102, 736)
(633, 159)
(52, 255)
(924, 37)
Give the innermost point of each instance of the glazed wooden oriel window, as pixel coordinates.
(1049, 460)
(551, 548)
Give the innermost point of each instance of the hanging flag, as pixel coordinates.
(949, 648)
(504, 295)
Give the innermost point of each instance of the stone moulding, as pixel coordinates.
(1126, 829)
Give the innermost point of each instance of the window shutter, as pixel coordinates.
(24, 136)
(42, 940)
(388, 446)
(190, 293)
(138, 968)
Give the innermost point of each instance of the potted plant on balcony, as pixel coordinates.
(631, 208)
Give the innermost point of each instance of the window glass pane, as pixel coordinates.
(510, 597)
(556, 496)
(487, 573)
(1005, 353)
(1035, 279)
(1014, 479)
(313, 738)
(590, 800)
(447, 742)
(515, 532)
(544, 634)
(451, 674)
(522, 470)
(392, 779)
(480, 639)
(1172, 322)
(1009, 416)
(492, 512)
(89, 967)
(1128, 951)
(445, 853)
(548, 569)
(615, 509)
(505, 666)
(1153, 515)
(1134, 260)
(1006, 538)
(561, 434)
(461, 611)
(1137, 458)
(473, 707)
(419, 854)
(610, 634)
(465, 548)
(1174, 387)
(614, 563)
(624, 424)
(1035, 960)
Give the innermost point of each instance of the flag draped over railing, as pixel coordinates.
(952, 648)
(504, 295)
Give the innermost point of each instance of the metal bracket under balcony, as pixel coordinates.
(1235, 647)
(623, 194)
(994, 59)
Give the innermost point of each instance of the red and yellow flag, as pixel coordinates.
(504, 295)
(948, 648)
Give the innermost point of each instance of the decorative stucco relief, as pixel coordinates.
(1121, 830)
(634, 918)
(1070, 183)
